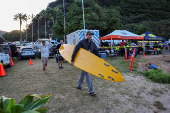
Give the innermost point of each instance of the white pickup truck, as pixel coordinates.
(4, 59)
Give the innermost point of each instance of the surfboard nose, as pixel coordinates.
(119, 78)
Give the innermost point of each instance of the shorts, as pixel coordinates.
(44, 60)
(60, 58)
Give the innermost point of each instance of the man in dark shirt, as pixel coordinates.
(60, 58)
(122, 48)
(90, 46)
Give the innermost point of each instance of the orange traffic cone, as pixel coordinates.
(143, 55)
(12, 63)
(130, 57)
(31, 62)
(2, 71)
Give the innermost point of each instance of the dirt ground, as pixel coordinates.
(161, 61)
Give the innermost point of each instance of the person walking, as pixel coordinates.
(44, 52)
(60, 58)
(90, 46)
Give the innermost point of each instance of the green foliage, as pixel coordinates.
(12, 36)
(106, 16)
(159, 105)
(157, 75)
(27, 104)
(96, 17)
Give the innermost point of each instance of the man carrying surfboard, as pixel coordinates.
(90, 46)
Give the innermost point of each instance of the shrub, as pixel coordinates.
(157, 75)
(26, 105)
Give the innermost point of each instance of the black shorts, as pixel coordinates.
(60, 58)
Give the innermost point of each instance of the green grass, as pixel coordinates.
(126, 96)
(157, 75)
(159, 105)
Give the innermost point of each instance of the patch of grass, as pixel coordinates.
(157, 75)
(159, 105)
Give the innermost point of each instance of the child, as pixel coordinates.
(151, 66)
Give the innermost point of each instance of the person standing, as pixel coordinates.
(90, 46)
(44, 52)
(127, 47)
(60, 58)
(19, 54)
(122, 48)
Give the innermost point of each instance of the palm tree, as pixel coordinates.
(32, 17)
(44, 14)
(38, 18)
(51, 12)
(21, 17)
(27, 18)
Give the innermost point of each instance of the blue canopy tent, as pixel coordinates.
(151, 37)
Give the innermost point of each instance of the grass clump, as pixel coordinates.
(159, 105)
(157, 75)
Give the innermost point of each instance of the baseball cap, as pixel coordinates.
(89, 32)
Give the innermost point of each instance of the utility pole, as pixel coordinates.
(64, 22)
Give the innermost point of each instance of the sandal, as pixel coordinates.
(81, 88)
(93, 94)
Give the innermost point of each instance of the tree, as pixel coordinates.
(27, 18)
(12, 36)
(38, 18)
(21, 17)
(96, 17)
(44, 14)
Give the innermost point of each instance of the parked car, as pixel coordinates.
(4, 58)
(27, 52)
(35, 49)
(6, 48)
(54, 47)
(51, 52)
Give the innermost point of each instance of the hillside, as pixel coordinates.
(104, 15)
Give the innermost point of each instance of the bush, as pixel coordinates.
(157, 75)
(26, 105)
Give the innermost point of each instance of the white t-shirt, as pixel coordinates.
(44, 49)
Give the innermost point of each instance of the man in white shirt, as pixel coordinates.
(44, 52)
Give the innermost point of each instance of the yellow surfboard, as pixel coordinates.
(91, 63)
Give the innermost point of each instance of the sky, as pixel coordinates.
(9, 8)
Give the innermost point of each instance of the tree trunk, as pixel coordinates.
(45, 27)
(20, 33)
(32, 30)
(38, 29)
(26, 31)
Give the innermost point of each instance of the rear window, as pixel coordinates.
(4, 46)
(6, 49)
(26, 49)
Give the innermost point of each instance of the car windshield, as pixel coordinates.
(26, 49)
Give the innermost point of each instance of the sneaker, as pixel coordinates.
(61, 67)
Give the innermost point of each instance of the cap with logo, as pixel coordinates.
(89, 32)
